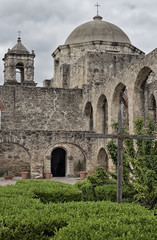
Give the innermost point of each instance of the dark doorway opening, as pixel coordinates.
(58, 162)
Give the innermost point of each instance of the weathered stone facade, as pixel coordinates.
(43, 128)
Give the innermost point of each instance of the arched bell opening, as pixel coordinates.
(20, 72)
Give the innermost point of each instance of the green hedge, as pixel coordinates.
(30, 219)
(87, 190)
(24, 217)
(47, 191)
(106, 192)
(58, 195)
(106, 220)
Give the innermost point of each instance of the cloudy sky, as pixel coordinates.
(45, 24)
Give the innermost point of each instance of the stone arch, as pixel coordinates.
(88, 114)
(102, 115)
(74, 154)
(140, 92)
(142, 76)
(120, 100)
(14, 158)
(152, 107)
(20, 72)
(102, 159)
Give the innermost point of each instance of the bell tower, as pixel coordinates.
(19, 66)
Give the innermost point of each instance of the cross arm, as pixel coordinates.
(121, 136)
(95, 135)
(142, 137)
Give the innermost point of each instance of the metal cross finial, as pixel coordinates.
(19, 32)
(97, 5)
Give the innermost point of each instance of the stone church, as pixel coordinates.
(96, 71)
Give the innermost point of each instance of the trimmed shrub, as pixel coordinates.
(23, 217)
(47, 191)
(87, 190)
(27, 219)
(100, 177)
(58, 195)
(106, 192)
(106, 220)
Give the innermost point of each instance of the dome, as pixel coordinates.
(97, 30)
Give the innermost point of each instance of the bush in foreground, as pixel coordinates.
(47, 191)
(24, 217)
(106, 220)
(31, 219)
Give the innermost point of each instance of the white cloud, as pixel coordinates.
(45, 24)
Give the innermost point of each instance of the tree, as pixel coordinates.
(139, 163)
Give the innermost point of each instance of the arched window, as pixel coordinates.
(152, 107)
(20, 72)
(123, 101)
(102, 115)
(120, 100)
(102, 159)
(88, 113)
(144, 80)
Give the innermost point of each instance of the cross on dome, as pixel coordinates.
(19, 34)
(97, 5)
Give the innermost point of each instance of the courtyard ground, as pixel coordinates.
(69, 180)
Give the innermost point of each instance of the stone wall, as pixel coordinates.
(41, 108)
(72, 53)
(31, 150)
(14, 159)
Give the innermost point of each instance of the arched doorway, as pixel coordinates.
(58, 162)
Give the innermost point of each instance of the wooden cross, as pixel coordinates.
(97, 5)
(120, 136)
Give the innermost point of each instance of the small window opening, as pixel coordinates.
(20, 72)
